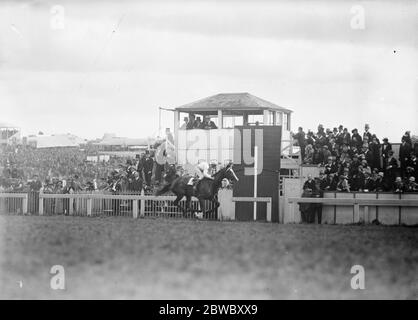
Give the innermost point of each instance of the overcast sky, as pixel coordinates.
(107, 66)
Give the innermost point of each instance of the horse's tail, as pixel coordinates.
(163, 190)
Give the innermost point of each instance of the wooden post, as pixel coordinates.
(366, 214)
(135, 209)
(176, 133)
(25, 204)
(356, 217)
(255, 180)
(293, 206)
(266, 117)
(142, 209)
(89, 206)
(281, 120)
(41, 204)
(220, 119)
(71, 207)
(269, 211)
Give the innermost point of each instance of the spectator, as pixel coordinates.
(399, 186)
(198, 124)
(392, 167)
(411, 185)
(136, 184)
(309, 153)
(386, 147)
(300, 137)
(380, 184)
(309, 184)
(357, 180)
(148, 164)
(369, 183)
(356, 140)
(191, 124)
(404, 153)
(374, 148)
(208, 124)
(343, 184)
(185, 123)
(367, 135)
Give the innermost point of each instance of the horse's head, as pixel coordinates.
(229, 173)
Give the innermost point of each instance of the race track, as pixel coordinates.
(183, 259)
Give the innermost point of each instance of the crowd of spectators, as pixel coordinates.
(65, 170)
(354, 162)
(193, 122)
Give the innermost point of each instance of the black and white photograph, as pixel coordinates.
(208, 152)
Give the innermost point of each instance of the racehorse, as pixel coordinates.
(206, 189)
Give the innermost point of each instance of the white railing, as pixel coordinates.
(132, 205)
(15, 202)
(356, 204)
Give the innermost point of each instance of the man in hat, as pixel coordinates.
(399, 186)
(374, 148)
(343, 185)
(324, 155)
(191, 124)
(404, 153)
(208, 124)
(357, 180)
(380, 184)
(407, 137)
(309, 185)
(148, 165)
(339, 135)
(411, 185)
(356, 140)
(346, 137)
(136, 183)
(386, 147)
(369, 183)
(366, 133)
(198, 123)
(392, 168)
(300, 137)
(184, 125)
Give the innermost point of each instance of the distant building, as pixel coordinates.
(55, 141)
(9, 133)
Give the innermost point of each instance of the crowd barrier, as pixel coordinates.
(14, 203)
(363, 207)
(94, 204)
(128, 205)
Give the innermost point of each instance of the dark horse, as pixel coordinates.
(206, 189)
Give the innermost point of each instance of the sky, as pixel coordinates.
(90, 67)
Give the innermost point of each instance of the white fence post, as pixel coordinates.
(142, 211)
(135, 209)
(71, 206)
(41, 204)
(25, 204)
(356, 213)
(269, 211)
(89, 206)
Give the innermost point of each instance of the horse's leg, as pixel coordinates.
(189, 204)
(186, 208)
(202, 206)
(215, 205)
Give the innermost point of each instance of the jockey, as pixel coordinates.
(203, 170)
